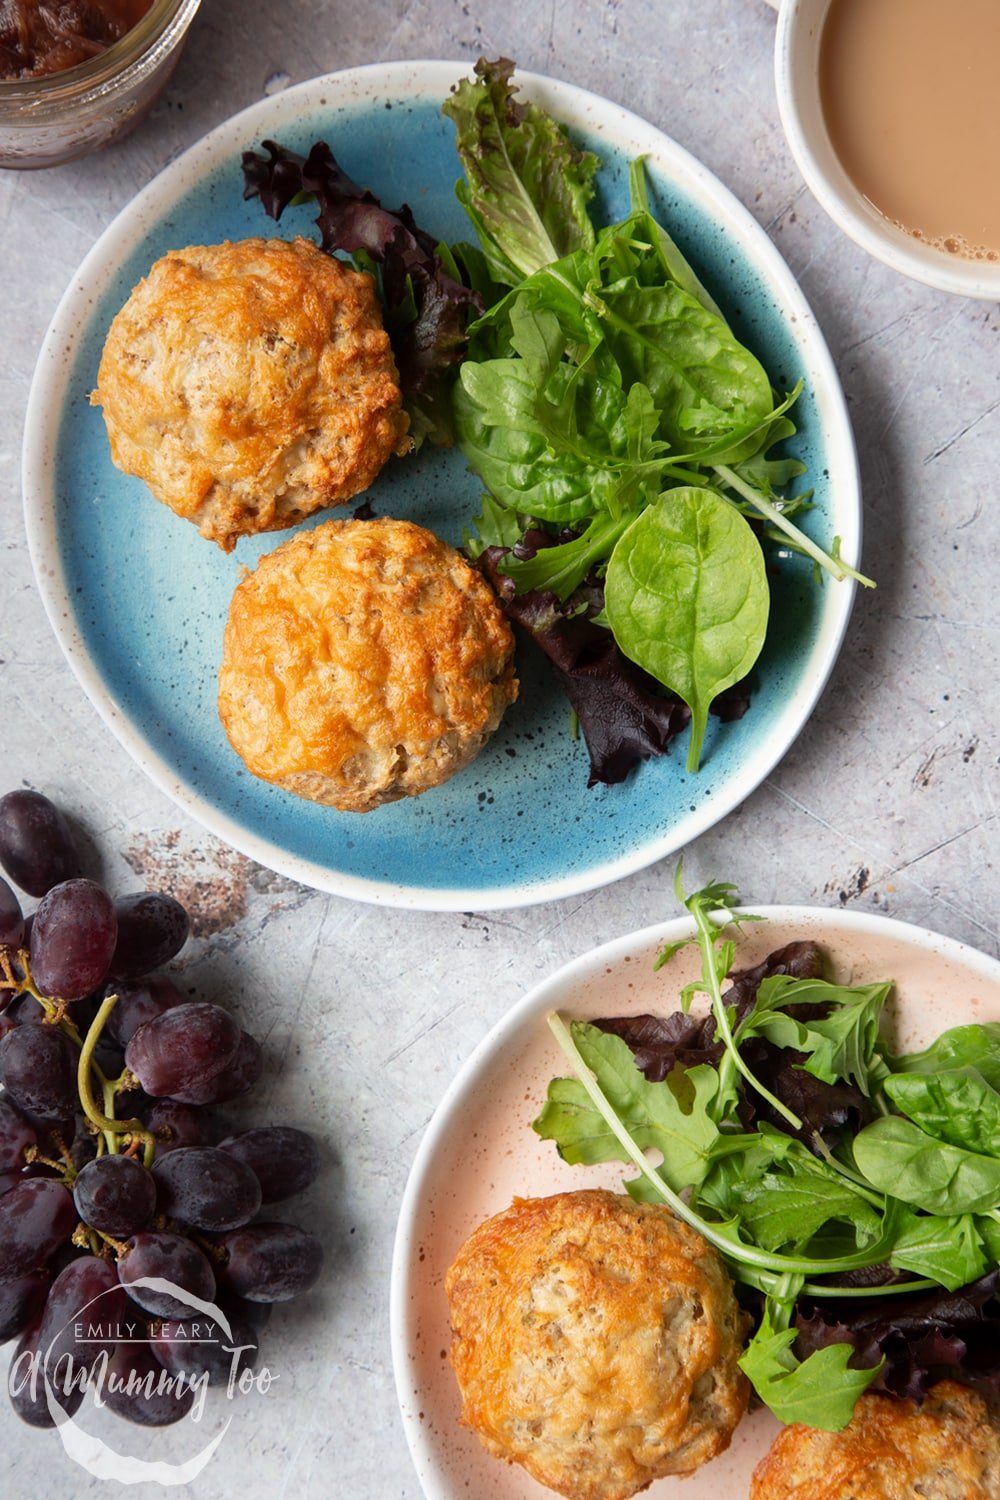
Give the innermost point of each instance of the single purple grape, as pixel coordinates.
(152, 927)
(139, 1001)
(206, 1187)
(270, 1262)
(236, 1079)
(38, 1067)
(36, 848)
(171, 1258)
(176, 1125)
(36, 1217)
(139, 1389)
(72, 939)
(198, 1347)
(11, 919)
(82, 1318)
(182, 1049)
(26, 1385)
(283, 1160)
(115, 1195)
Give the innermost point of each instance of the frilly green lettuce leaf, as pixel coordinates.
(526, 185)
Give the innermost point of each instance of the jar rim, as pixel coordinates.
(116, 64)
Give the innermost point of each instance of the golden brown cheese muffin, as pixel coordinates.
(595, 1342)
(363, 661)
(250, 384)
(946, 1449)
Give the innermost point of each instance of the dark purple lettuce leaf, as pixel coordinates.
(660, 1043)
(677, 1040)
(824, 1108)
(922, 1338)
(625, 715)
(802, 960)
(351, 219)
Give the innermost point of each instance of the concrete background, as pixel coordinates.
(886, 802)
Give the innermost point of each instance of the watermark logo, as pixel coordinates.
(79, 1357)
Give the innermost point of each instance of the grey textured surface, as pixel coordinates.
(887, 800)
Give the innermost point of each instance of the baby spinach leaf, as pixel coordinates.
(708, 389)
(681, 1128)
(687, 598)
(901, 1160)
(526, 185)
(949, 1250)
(675, 266)
(988, 1229)
(957, 1106)
(563, 453)
(975, 1046)
(821, 1391)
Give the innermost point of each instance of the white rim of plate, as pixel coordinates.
(419, 79)
(474, 1072)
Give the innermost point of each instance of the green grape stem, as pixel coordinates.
(114, 1131)
(108, 1128)
(23, 984)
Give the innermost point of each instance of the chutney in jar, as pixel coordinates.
(40, 37)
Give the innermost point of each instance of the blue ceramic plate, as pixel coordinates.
(138, 599)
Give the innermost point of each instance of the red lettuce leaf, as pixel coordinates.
(625, 715)
(660, 1043)
(678, 1040)
(922, 1338)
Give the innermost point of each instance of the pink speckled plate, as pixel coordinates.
(479, 1151)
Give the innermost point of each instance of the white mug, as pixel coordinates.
(796, 72)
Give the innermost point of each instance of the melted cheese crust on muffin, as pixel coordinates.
(250, 384)
(363, 661)
(595, 1342)
(946, 1449)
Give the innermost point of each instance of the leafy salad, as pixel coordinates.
(625, 437)
(853, 1193)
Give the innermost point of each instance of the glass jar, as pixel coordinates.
(47, 120)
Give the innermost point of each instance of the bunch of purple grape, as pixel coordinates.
(124, 1217)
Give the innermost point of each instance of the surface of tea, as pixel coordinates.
(908, 89)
